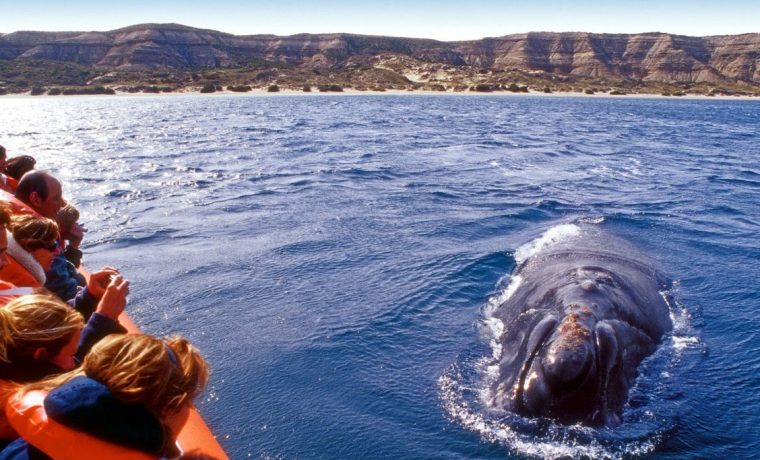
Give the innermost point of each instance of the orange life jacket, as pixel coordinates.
(17, 274)
(26, 414)
(9, 292)
(17, 206)
(8, 183)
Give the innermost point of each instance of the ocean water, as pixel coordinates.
(336, 258)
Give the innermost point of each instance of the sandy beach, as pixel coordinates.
(259, 92)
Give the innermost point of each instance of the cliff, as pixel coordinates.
(650, 57)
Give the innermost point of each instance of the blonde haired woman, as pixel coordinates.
(128, 400)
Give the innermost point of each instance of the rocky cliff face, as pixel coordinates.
(654, 57)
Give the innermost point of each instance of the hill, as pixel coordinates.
(173, 56)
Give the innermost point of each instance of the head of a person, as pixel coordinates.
(16, 167)
(164, 375)
(39, 327)
(67, 219)
(3, 158)
(5, 221)
(42, 192)
(38, 236)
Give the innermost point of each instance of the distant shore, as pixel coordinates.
(258, 92)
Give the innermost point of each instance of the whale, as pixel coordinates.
(585, 312)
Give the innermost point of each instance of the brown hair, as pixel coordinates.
(36, 321)
(66, 217)
(33, 232)
(162, 374)
(16, 167)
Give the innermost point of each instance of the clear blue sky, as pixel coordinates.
(438, 19)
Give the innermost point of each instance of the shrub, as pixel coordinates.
(87, 90)
(617, 92)
(3, 91)
(515, 88)
(484, 88)
(307, 89)
(239, 88)
(273, 89)
(330, 88)
(208, 88)
(547, 90)
(589, 91)
(438, 87)
(55, 92)
(37, 91)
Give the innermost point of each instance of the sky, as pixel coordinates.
(446, 20)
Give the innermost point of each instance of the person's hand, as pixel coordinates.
(114, 298)
(99, 281)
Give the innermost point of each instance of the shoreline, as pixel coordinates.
(259, 92)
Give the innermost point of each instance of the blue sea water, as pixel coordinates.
(335, 257)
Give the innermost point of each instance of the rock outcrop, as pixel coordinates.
(650, 57)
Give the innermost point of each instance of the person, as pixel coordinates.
(62, 277)
(16, 167)
(8, 184)
(72, 232)
(42, 192)
(127, 400)
(40, 337)
(32, 245)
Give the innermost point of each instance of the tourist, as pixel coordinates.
(32, 245)
(41, 192)
(127, 400)
(62, 277)
(8, 184)
(16, 167)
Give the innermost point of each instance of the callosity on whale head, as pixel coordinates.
(587, 312)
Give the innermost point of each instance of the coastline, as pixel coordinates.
(260, 92)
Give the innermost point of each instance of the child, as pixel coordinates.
(128, 400)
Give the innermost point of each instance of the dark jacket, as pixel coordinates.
(87, 405)
(63, 279)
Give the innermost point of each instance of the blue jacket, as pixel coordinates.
(63, 279)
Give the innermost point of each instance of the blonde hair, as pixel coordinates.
(36, 321)
(164, 375)
(33, 232)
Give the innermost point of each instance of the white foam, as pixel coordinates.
(552, 236)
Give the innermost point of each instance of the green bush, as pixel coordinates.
(37, 91)
(547, 90)
(208, 88)
(589, 91)
(273, 89)
(239, 88)
(55, 92)
(307, 89)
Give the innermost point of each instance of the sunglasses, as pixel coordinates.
(49, 246)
